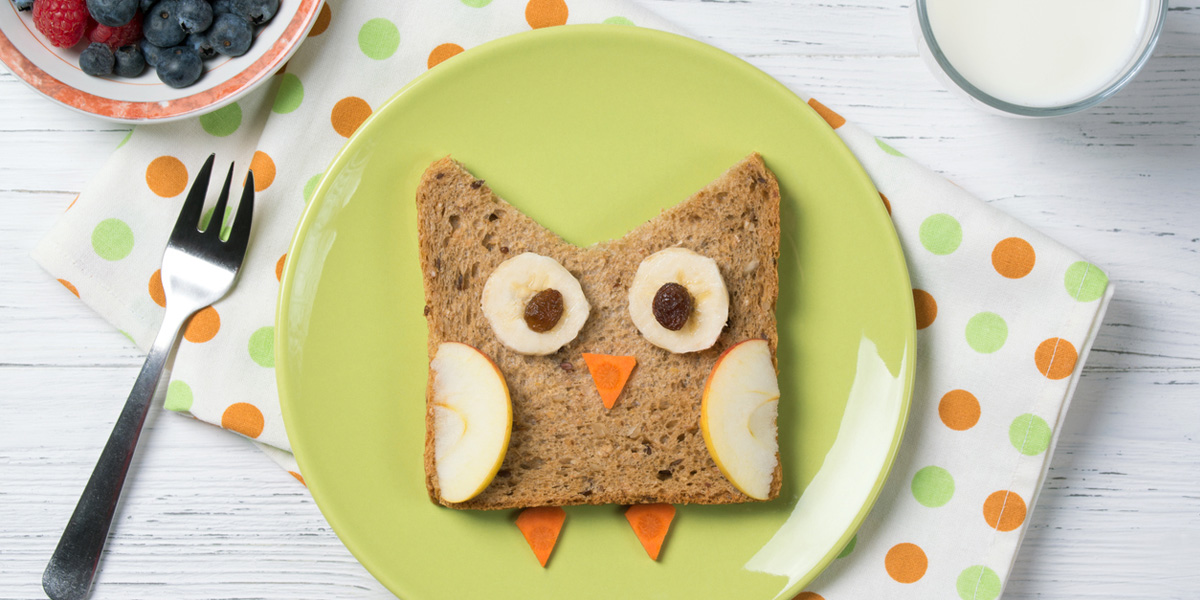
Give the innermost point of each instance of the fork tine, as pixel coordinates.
(239, 238)
(193, 206)
(217, 221)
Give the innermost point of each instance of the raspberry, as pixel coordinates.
(61, 21)
(116, 37)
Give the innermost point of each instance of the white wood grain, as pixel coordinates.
(207, 516)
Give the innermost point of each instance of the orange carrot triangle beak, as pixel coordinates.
(610, 373)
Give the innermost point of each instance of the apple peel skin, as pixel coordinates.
(738, 414)
(472, 420)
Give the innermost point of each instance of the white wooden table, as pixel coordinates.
(207, 516)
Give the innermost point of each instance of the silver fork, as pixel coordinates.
(197, 270)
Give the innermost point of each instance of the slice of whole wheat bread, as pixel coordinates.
(566, 448)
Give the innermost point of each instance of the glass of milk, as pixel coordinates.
(1038, 58)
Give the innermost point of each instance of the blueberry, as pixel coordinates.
(151, 52)
(130, 62)
(113, 13)
(23, 4)
(201, 44)
(194, 15)
(231, 35)
(97, 59)
(222, 6)
(257, 11)
(179, 67)
(145, 5)
(161, 26)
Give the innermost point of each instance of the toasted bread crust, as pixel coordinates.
(566, 448)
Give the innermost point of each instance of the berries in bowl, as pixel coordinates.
(150, 60)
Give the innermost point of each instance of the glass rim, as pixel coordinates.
(1041, 111)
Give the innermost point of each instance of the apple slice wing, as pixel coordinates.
(472, 420)
(738, 417)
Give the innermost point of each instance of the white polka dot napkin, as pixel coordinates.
(1005, 315)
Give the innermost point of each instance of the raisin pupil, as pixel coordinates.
(672, 306)
(544, 310)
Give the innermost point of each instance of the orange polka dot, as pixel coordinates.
(886, 204)
(545, 13)
(926, 308)
(959, 410)
(203, 326)
(348, 114)
(166, 176)
(322, 22)
(1013, 257)
(1004, 510)
(298, 477)
(279, 268)
(243, 418)
(906, 563)
(1055, 358)
(70, 288)
(441, 53)
(73, 201)
(156, 289)
(808, 596)
(835, 120)
(264, 170)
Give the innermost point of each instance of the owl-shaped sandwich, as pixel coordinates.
(534, 398)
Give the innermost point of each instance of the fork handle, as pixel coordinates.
(72, 567)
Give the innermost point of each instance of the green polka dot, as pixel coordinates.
(477, 3)
(941, 234)
(1029, 434)
(378, 38)
(986, 332)
(223, 121)
(886, 148)
(262, 346)
(617, 21)
(125, 139)
(179, 397)
(311, 186)
(849, 547)
(290, 94)
(1085, 282)
(978, 583)
(226, 223)
(933, 486)
(112, 239)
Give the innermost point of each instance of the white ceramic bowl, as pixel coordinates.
(55, 72)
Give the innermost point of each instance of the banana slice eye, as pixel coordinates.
(534, 304)
(678, 300)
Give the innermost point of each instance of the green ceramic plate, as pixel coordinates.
(591, 130)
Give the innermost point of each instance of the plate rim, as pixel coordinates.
(352, 144)
(162, 111)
